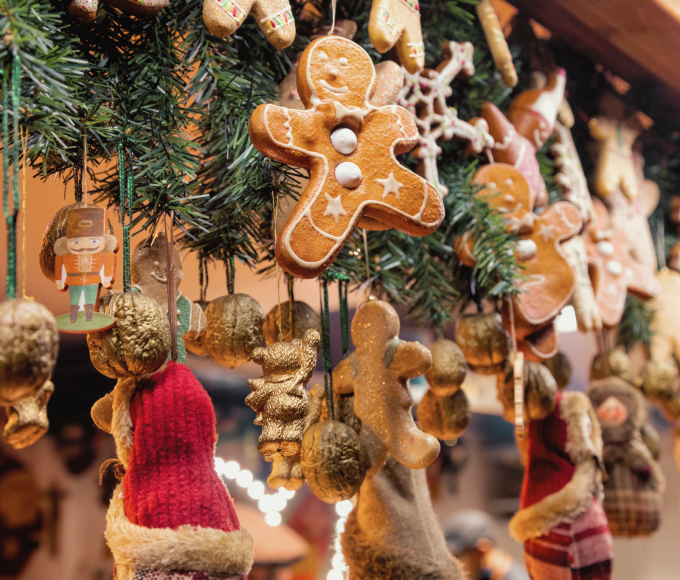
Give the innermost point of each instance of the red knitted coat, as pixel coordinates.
(171, 478)
(171, 513)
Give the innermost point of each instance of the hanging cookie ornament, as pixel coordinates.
(483, 340)
(377, 372)
(279, 397)
(632, 491)
(396, 23)
(497, 43)
(616, 271)
(150, 276)
(548, 279)
(529, 123)
(352, 168)
(86, 10)
(274, 17)
(424, 95)
(666, 323)
(583, 300)
(234, 329)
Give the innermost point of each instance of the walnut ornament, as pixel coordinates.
(234, 329)
(279, 397)
(448, 369)
(484, 341)
(304, 318)
(540, 393)
(618, 365)
(29, 343)
(444, 417)
(139, 343)
(27, 420)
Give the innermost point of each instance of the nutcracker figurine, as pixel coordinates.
(85, 260)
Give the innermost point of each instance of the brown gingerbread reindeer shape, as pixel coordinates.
(530, 122)
(614, 269)
(548, 279)
(348, 146)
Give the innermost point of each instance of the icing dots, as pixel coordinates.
(344, 141)
(526, 249)
(605, 248)
(323, 57)
(348, 174)
(343, 61)
(614, 267)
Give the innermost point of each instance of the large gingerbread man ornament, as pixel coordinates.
(548, 279)
(378, 372)
(349, 147)
(397, 23)
(614, 269)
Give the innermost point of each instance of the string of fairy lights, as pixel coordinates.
(273, 504)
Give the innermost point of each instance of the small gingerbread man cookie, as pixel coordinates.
(497, 43)
(616, 270)
(274, 17)
(349, 147)
(397, 23)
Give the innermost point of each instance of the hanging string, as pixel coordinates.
(77, 183)
(203, 276)
(231, 275)
(343, 288)
(278, 277)
(126, 183)
(172, 297)
(23, 219)
(291, 305)
(85, 164)
(334, 5)
(11, 216)
(326, 351)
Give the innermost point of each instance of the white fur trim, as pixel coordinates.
(164, 549)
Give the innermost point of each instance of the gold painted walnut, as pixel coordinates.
(29, 342)
(139, 343)
(304, 319)
(484, 341)
(279, 397)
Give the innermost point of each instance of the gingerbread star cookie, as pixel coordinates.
(397, 23)
(348, 146)
(614, 268)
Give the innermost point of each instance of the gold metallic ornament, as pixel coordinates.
(619, 365)
(444, 417)
(279, 397)
(139, 343)
(102, 413)
(659, 380)
(195, 341)
(27, 420)
(304, 319)
(57, 229)
(29, 342)
(448, 369)
(286, 472)
(234, 329)
(484, 341)
(334, 462)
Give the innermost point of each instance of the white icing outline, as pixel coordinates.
(332, 89)
(286, 9)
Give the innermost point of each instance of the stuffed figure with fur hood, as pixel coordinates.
(561, 521)
(632, 493)
(171, 516)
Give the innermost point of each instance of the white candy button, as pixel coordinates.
(605, 248)
(526, 249)
(613, 267)
(344, 140)
(348, 174)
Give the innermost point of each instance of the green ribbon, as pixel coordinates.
(11, 215)
(126, 182)
(326, 351)
(231, 275)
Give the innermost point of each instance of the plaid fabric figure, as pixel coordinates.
(183, 575)
(579, 550)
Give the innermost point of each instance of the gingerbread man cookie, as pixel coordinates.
(349, 147)
(424, 95)
(615, 166)
(548, 279)
(274, 17)
(583, 300)
(497, 43)
(397, 23)
(378, 372)
(615, 270)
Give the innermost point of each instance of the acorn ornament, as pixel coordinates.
(303, 318)
(139, 343)
(234, 329)
(484, 341)
(279, 397)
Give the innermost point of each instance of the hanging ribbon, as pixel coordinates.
(126, 182)
(326, 350)
(24, 140)
(291, 306)
(517, 359)
(11, 215)
(343, 289)
(231, 275)
(170, 275)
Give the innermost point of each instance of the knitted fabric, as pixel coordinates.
(578, 550)
(183, 575)
(170, 479)
(549, 467)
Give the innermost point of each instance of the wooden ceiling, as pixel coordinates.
(635, 39)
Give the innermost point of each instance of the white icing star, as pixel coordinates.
(547, 232)
(391, 185)
(334, 208)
